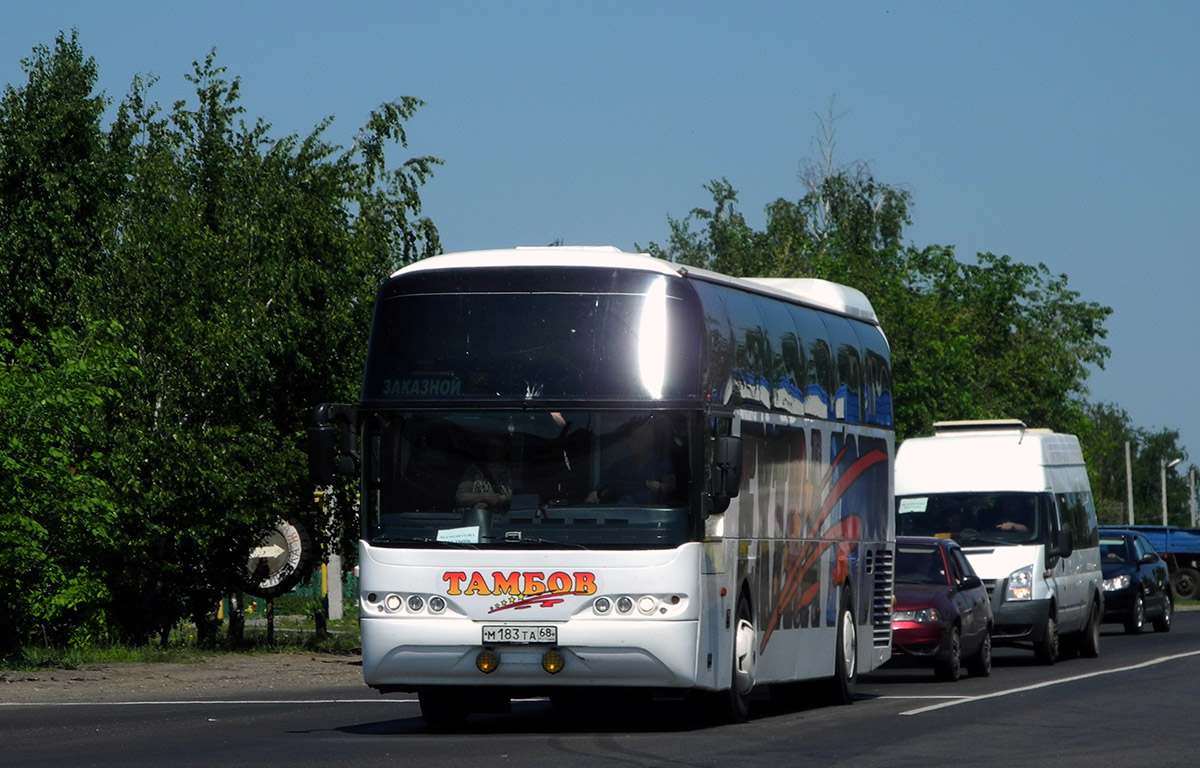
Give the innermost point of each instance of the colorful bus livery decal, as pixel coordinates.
(845, 533)
(812, 495)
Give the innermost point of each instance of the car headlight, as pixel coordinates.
(1020, 584)
(920, 616)
(1117, 582)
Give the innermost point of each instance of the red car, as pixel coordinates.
(942, 615)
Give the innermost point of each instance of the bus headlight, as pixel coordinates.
(602, 605)
(1020, 584)
(393, 603)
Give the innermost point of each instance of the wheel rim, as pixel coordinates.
(744, 659)
(849, 645)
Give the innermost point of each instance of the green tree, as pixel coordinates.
(59, 529)
(59, 187)
(197, 287)
(992, 339)
(247, 268)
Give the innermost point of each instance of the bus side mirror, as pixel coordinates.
(330, 424)
(321, 441)
(727, 461)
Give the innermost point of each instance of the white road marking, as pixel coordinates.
(955, 701)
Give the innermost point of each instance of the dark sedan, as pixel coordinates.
(942, 615)
(1137, 584)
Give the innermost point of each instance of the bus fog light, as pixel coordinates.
(646, 604)
(553, 662)
(602, 605)
(393, 603)
(488, 660)
(624, 604)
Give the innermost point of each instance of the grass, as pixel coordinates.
(293, 634)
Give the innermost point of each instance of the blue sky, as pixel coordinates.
(1064, 133)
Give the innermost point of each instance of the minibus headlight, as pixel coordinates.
(1020, 584)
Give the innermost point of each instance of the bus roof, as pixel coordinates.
(814, 292)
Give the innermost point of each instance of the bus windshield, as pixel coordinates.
(521, 335)
(977, 518)
(516, 478)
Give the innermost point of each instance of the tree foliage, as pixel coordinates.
(992, 339)
(211, 283)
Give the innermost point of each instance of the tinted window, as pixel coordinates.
(919, 564)
(525, 334)
(970, 518)
(505, 478)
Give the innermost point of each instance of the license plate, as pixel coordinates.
(507, 633)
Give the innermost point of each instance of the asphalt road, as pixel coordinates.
(1134, 705)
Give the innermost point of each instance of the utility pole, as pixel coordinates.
(1128, 484)
(1192, 492)
(1163, 465)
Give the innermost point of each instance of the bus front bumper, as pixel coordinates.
(414, 654)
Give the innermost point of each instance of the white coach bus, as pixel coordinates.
(587, 471)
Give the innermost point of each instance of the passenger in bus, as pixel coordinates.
(487, 483)
(644, 475)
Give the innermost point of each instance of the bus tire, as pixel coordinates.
(845, 665)
(733, 704)
(444, 711)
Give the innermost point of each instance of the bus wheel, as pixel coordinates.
(734, 704)
(444, 711)
(845, 670)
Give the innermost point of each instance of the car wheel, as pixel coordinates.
(1137, 615)
(1046, 652)
(950, 668)
(1089, 639)
(980, 665)
(1163, 622)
